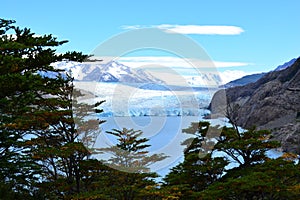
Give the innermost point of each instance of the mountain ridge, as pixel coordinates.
(114, 71)
(111, 71)
(286, 64)
(254, 77)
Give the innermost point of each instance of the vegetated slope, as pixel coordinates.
(272, 102)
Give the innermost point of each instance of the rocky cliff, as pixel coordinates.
(272, 102)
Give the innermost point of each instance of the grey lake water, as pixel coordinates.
(164, 133)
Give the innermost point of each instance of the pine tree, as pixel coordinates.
(65, 143)
(22, 56)
(130, 174)
(39, 139)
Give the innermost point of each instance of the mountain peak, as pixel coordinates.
(111, 71)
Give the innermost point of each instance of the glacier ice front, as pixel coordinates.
(130, 100)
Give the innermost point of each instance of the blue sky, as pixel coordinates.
(266, 32)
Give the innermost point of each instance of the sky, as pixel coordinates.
(240, 37)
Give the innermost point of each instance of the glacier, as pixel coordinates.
(132, 100)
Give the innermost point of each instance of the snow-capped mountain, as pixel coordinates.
(114, 71)
(108, 72)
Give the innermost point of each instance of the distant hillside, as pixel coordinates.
(271, 102)
(244, 80)
(285, 65)
(254, 77)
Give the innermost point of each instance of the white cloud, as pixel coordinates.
(174, 62)
(230, 75)
(230, 64)
(193, 29)
(177, 79)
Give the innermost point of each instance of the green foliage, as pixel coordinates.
(130, 165)
(204, 176)
(22, 55)
(74, 56)
(130, 153)
(199, 169)
(41, 146)
(273, 179)
(245, 148)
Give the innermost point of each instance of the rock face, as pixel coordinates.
(272, 102)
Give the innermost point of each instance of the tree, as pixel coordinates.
(199, 169)
(130, 162)
(39, 139)
(245, 148)
(65, 143)
(203, 173)
(276, 179)
(22, 56)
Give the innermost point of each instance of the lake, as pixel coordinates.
(159, 111)
(164, 134)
